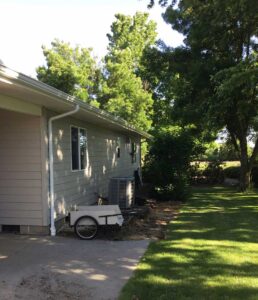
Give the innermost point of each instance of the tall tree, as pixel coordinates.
(221, 72)
(124, 93)
(72, 70)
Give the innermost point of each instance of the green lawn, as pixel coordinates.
(211, 251)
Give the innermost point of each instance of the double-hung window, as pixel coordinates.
(78, 148)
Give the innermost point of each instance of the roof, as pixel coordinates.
(18, 85)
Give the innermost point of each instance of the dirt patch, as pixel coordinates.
(154, 224)
(47, 285)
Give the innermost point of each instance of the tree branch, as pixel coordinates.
(234, 142)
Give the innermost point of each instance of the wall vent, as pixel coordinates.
(11, 228)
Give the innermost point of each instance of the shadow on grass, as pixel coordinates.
(211, 251)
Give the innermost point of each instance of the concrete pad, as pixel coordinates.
(65, 267)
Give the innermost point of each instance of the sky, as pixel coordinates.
(26, 25)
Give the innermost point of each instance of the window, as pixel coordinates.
(118, 146)
(78, 145)
(133, 152)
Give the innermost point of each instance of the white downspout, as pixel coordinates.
(51, 166)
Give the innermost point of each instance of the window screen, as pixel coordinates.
(83, 148)
(78, 145)
(75, 148)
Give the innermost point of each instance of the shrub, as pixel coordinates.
(254, 176)
(211, 174)
(214, 172)
(232, 172)
(168, 163)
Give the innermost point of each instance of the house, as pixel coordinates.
(56, 152)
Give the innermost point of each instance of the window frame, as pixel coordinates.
(79, 148)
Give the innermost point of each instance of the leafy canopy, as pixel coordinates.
(72, 70)
(217, 69)
(124, 93)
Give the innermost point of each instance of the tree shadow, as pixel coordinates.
(210, 251)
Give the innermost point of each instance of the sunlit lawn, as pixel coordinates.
(211, 251)
(225, 164)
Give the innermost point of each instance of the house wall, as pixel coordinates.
(79, 187)
(24, 167)
(20, 169)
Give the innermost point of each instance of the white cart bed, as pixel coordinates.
(87, 219)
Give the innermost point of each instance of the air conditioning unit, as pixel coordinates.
(121, 191)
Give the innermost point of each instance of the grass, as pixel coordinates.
(211, 251)
(225, 164)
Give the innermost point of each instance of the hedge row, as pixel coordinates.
(214, 173)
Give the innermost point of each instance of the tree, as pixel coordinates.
(236, 96)
(219, 82)
(72, 70)
(124, 93)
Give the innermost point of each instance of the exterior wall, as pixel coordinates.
(79, 187)
(24, 167)
(20, 169)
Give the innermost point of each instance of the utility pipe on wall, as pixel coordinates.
(51, 166)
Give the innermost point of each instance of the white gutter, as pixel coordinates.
(51, 166)
(24, 80)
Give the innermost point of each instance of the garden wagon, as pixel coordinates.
(87, 219)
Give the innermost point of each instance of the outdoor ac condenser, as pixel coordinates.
(121, 191)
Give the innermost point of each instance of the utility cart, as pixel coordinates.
(87, 219)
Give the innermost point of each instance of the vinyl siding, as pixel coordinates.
(20, 169)
(79, 187)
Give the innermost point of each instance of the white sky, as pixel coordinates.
(26, 25)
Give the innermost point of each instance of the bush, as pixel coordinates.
(178, 190)
(214, 173)
(168, 163)
(254, 176)
(232, 172)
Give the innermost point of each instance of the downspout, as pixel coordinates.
(51, 166)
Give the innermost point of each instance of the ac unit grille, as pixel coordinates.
(121, 191)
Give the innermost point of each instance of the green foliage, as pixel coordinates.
(214, 173)
(125, 96)
(222, 152)
(217, 72)
(232, 172)
(210, 173)
(124, 93)
(72, 70)
(254, 176)
(212, 152)
(236, 99)
(168, 162)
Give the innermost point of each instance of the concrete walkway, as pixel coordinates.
(65, 267)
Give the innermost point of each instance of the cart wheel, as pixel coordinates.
(86, 228)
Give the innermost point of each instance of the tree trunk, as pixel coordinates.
(245, 175)
(245, 170)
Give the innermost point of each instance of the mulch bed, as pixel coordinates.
(152, 224)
